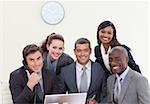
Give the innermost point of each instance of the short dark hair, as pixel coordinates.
(82, 41)
(31, 48)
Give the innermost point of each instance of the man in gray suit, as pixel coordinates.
(93, 81)
(125, 86)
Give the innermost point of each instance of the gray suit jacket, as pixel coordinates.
(135, 89)
(67, 81)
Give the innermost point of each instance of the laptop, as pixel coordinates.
(73, 98)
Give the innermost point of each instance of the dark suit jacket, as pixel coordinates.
(131, 62)
(135, 89)
(21, 93)
(67, 81)
(63, 60)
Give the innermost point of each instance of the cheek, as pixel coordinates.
(111, 36)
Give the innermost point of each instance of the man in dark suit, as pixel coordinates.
(93, 80)
(29, 83)
(125, 86)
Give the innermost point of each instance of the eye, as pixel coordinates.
(39, 58)
(109, 33)
(60, 48)
(102, 31)
(78, 50)
(54, 47)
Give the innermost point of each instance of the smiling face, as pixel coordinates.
(106, 35)
(35, 61)
(82, 52)
(118, 60)
(55, 49)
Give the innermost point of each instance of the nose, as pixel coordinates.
(36, 63)
(82, 53)
(57, 51)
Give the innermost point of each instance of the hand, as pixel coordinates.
(91, 101)
(33, 79)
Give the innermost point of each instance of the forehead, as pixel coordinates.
(86, 45)
(108, 28)
(57, 42)
(116, 52)
(34, 55)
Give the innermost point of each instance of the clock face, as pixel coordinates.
(52, 12)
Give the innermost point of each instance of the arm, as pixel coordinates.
(143, 91)
(20, 93)
(132, 64)
(61, 84)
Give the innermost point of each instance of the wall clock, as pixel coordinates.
(52, 12)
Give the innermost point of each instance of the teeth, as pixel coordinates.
(115, 67)
(105, 39)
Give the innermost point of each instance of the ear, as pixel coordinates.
(47, 46)
(24, 62)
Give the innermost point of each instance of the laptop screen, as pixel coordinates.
(73, 98)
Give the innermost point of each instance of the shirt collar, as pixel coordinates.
(123, 75)
(79, 66)
(103, 49)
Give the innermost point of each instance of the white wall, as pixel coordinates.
(21, 24)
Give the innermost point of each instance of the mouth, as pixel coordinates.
(56, 55)
(105, 38)
(115, 68)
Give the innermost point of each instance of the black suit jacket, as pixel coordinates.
(67, 81)
(21, 93)
(131, 62)
(63, 60)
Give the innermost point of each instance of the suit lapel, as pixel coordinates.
(112, 85)
(125, 85)
(94, 77)
(72, 78)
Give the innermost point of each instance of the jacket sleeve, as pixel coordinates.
(61, 84)
(20, 94)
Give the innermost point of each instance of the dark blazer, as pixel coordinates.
(99, 59)
(63, 60)
(21, 93)
(67, 81)
(135, 89)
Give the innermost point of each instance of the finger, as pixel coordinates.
(28, 74)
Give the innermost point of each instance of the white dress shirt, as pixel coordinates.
(105, 56)
(79, 73)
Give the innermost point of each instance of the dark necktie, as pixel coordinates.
(39, 92)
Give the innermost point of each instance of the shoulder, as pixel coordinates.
(126, 47)
(97, 51)
(137, 76)
(17, 74)
(18, 71)
(65, 59)
(96, 48)
(65, 56)
(97, 66)
(110, 78)
(68, 67)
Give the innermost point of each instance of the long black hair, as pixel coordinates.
(103, 25)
